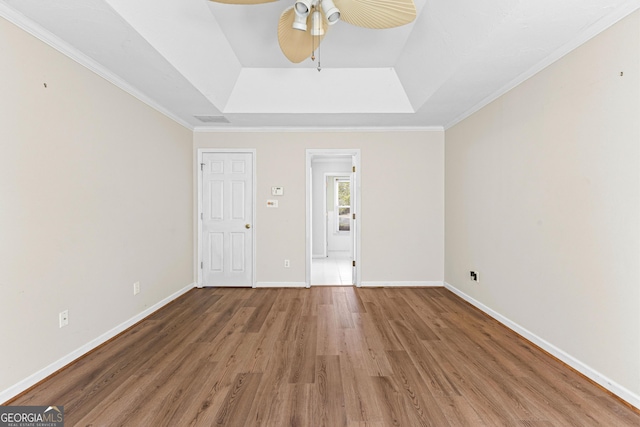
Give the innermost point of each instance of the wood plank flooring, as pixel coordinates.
(325, 356)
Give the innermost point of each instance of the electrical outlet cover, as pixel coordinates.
(63, 318)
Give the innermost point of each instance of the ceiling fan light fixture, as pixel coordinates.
(330, 11)
(317, 29)
(299, 21)
(303, 7)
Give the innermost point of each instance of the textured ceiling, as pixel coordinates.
(197, 58)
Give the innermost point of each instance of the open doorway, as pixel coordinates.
(332, 218)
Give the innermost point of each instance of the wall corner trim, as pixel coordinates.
(419, 284)
(30, 381)
(595, 376)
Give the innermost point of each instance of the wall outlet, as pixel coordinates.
(136, 288)
(286, 263)
(63, 318)
(474, 276)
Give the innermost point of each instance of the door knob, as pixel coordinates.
(247, 226)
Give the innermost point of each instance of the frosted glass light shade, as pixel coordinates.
(330, 11)
(303, 7)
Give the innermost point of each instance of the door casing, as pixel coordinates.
(200, 153)
(355, 155)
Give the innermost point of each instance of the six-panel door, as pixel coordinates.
(227, 219)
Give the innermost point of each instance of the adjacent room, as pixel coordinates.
(208, 217)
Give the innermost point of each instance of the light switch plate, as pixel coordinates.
(277, 191)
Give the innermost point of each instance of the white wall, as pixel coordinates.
(320, 208)
(95, 194)
(402, 200)
(543, 200)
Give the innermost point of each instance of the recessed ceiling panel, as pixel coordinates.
(304, 91)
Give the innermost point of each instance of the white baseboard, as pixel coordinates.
(33, 379)
(615, 388)
(422, 284)
(280, 285)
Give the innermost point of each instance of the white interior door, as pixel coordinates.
(227, 219)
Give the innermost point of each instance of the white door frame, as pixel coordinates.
(355, 154)
(202, 151)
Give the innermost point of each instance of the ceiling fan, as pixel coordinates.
(303, 25)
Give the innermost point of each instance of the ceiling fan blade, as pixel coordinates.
(296, 45)
(242, 1)
(377, 14)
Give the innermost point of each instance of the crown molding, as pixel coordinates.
(66, 49)
(595, 29)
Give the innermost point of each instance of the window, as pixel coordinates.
(343, 204)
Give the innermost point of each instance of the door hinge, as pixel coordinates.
(201, 166)
(353, 263)
(353, 168)
(354, 216)
(201, 265)
(201, 215)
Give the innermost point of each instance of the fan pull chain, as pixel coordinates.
(313, 51)
(313, 48)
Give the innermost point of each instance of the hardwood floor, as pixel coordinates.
(325, 356)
